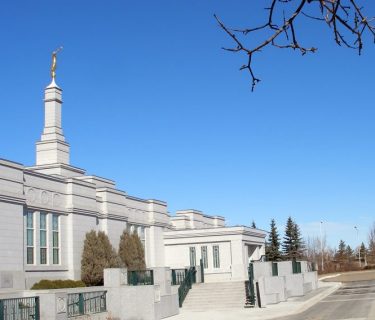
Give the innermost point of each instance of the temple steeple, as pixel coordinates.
(52, 148)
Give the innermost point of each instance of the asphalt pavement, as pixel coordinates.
(292, 306)
(352, 301)
(346, 296)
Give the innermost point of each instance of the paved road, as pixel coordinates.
(352, 276)
(353, 301)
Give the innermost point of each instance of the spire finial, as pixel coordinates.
(53, 66)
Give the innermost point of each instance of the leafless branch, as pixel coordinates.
(343, 17)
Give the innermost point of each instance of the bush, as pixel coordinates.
(369, 267)
(97, 255)
(131, 251)
(57, 284)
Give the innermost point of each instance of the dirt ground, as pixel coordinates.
(352, 276)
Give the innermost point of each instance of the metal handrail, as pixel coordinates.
(186, 285)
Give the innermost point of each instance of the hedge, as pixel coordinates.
(57, 284)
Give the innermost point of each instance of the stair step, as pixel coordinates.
(216, 296)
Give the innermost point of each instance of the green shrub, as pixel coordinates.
(57, 284)
(97, 255)
(131, 251)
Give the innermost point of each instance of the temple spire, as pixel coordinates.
(52, 148)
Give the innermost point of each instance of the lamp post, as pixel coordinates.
(321, 244)
(359, 248)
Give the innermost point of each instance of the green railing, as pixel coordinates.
(275, 269)
(20, 309)
(85, 303)
(185, 286)
(296, 266)
(141, 278)
(250, 290)
(178, 276)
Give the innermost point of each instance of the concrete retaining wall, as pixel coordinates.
(274, 289)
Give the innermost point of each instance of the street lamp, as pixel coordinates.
(359, 248)
(321, 244)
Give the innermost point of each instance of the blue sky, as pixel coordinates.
(151, 101)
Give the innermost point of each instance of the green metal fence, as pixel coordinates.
(85, 303)
(178, 276)
(141, 277)
(250, 290)
(20, 309)
(296, 266)
(186, 285)
(275, 269)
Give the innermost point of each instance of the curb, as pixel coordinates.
(307, 304)
(329, 277)
(317, 298)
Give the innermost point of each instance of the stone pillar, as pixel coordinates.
(52, 148)
(115, 277)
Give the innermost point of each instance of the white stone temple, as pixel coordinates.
(47, 209)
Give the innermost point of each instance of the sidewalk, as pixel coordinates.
(292, 306)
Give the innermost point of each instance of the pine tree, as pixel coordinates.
(298, 245)
(340, 254)
(288, 238)
(131, 251)
(349, 253)
(253, 225)
(97, 255)
(273, 243)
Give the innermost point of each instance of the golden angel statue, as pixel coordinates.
(53, 66)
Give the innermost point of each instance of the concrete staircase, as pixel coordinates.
(216, 296)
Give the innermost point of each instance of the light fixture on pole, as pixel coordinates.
(359, 247)
(321, 245)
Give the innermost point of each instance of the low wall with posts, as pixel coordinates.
(59, 304)
(149, 296)
(277, 281)
(142, 300)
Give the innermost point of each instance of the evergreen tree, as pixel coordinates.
(253, 225)
(298, 245)
(293, 245)
(349, 253)
(97, 255)
(131, 251)
(288, 238)
(341, 251)
(273, 243)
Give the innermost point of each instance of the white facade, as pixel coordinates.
(225, 251)
(47, 209)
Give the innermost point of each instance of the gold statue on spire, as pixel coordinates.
(53, 66)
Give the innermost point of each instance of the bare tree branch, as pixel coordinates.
(343, 17)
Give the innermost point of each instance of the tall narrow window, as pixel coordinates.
(43, 238)
(192, 257)
(55, 239)
(141, 233)
(204, 256)
(216, 255)
(30, 237)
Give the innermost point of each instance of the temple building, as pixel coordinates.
(47, 209)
